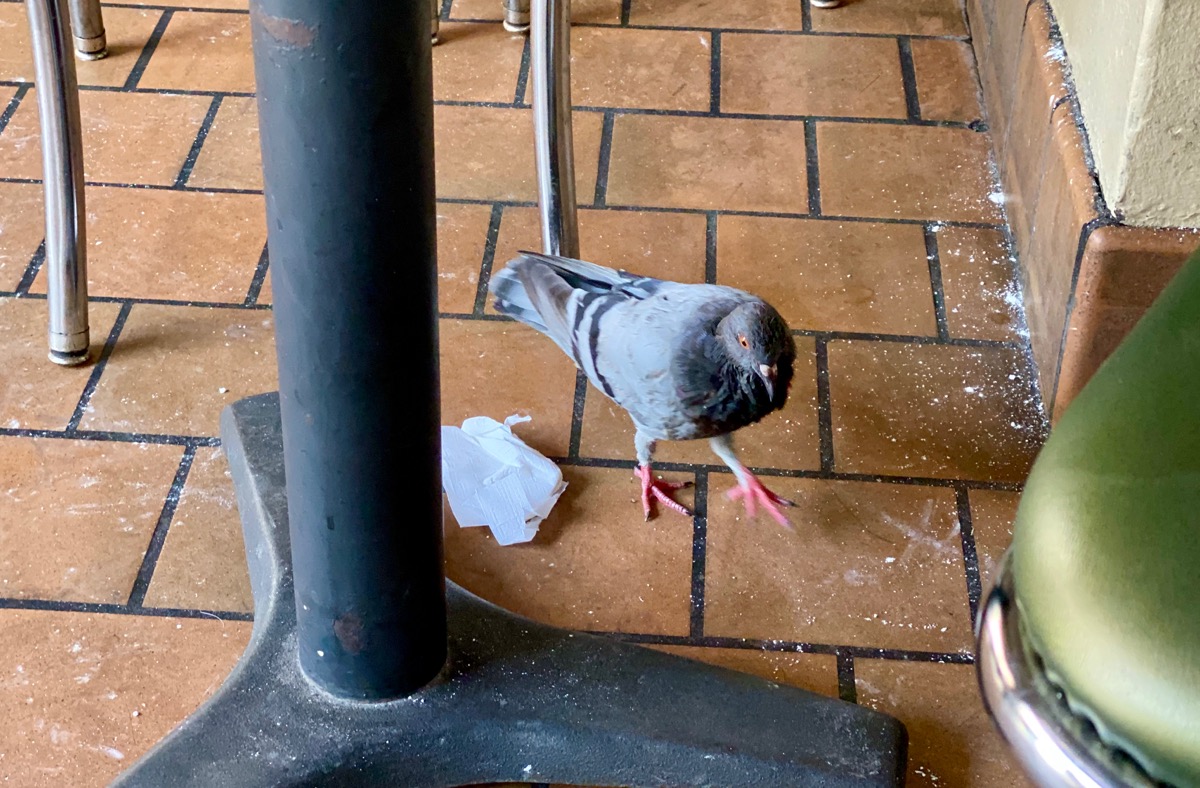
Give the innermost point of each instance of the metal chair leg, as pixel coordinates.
(435, 20)
(87, 27)
(62, 168)
(550, 59)
(516, 15)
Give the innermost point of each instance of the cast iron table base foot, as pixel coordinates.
(516, 702)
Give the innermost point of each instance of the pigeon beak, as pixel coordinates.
(768, 376)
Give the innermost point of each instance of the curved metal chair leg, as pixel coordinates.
(87, 27)
(550, 59)
(62, 168)
(435, 19)
(516, 16)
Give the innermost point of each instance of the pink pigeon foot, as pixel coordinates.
(657, 488)
(753, 493)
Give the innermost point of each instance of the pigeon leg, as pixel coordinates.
(651, 487)
(750, 490)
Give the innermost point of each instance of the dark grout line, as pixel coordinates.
(13, 103)
(970, 553)
(806, 16)
(847, 689)
(606, 141)
(259, 278)
(792, 646)
(626, 10)
(105, 436)
(784, 473)
(56, 606)
(188, 9)
(811, 168)
(710, 248)
(522, 75)
(908, 72)
(150, 186)
(488, 261)
(761, 31)
(578, 403)
(714, 73)
(143, 60)
(94, 379)
(938, 291)
(31, 271)
(150, 559)
(910, 339)
(699, 554)
(189, 163)
(167, 91)
(166, 302)
(824, 406)
(709, 113)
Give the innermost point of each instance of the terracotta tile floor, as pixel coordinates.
(834, 161)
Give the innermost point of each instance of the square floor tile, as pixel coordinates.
(787, 439)
(831, 276)
(708, 163)
(992, 516)
(34, 393)
(645, 69)
(215, 5)
(811, 75)
(933, 411)
(203, 51)
(86, 695)
(127, 29)
(912, 17)
(203, 561)
(140, 138)
(813, 672)
(947, 83)
(78, 515)
(905, 172)
(22, 228)
(983, 296)
(175, 368)
(762, 15)
(583, 12)
(868, 564)
(485, 153)
(476, 62)
(461, 236)
(951, 739)
(231, 157)
(498, 368)
(594, 564)
(189, 246)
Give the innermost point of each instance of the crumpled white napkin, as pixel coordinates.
(492, 478)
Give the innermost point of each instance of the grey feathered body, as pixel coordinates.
(650, 345)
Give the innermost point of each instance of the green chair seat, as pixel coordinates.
(1106, 547)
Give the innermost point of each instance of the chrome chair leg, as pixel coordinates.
(435, 19)
(516, 15)
(62, 168)
(550, 60)
(87, 27)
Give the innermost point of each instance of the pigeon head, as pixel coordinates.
(760, 343)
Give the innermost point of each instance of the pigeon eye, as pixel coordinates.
(744, 342)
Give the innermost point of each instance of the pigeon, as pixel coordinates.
(686, 361)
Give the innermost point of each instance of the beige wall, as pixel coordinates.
(1137, 70)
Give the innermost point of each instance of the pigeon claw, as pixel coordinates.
(753, 494)
(653, 488)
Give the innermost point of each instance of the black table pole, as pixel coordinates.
(345, 103)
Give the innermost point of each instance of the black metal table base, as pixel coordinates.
(516, 702)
